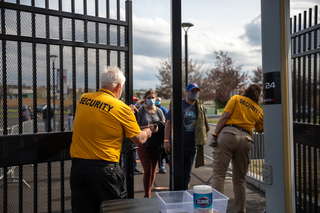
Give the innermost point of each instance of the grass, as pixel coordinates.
(165, 103)
(10, 110)
(213, 120)
(66, 112)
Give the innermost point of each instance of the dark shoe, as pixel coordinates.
(162, 171)
(137, 172)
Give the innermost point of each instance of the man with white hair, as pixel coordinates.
(100, 123)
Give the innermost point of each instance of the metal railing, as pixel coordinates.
(50, 55)
(305, 59)
(254, 175)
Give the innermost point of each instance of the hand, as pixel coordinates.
(167, 147)
(133, 108)
(148, 131)
(155, 128)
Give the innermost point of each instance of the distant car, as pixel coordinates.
(42, 107)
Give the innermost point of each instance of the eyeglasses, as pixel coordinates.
(150, 97)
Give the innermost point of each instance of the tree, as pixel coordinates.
(195, 74)
(41, 92)
(164, 89)
(257, 76)
(225, 78)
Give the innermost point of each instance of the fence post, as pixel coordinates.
(275, 28)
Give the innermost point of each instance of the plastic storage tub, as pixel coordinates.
(219, 201)
(175, 201)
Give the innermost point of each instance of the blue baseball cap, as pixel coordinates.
(25, 107)
(191, 86)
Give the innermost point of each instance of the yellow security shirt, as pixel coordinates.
(244, 113)
(99, 126)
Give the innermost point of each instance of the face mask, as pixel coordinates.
(193, 96)
(151, 102)
(158, 103)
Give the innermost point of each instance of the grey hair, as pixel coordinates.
(111, 77)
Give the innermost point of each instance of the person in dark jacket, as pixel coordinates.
(48, 119)
(162, 169)
(194, 135)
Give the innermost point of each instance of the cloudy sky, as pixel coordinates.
(232, 26)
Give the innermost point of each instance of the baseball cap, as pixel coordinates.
(25, 107)
(191, 86)
(135, 99)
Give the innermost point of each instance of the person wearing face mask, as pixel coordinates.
(195, 127)
(148, 115)
(100, 123)
(158, 104)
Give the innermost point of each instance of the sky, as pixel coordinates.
(231, 26)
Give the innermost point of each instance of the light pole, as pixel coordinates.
(53, 57)
(186, 27)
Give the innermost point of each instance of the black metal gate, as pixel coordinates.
(305, 42)
(51, 53)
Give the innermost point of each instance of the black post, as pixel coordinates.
(176, 70)
(54, 97)
(129, 94)
(186, 56)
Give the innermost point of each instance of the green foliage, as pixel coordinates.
(220, 104)
(220, 111)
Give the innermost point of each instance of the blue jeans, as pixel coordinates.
(162, 165)
(187, 161)
(134, 160)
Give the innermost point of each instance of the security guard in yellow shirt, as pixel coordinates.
(100, 123)
(233, 136)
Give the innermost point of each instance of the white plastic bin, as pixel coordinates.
(219, 201)
(175, 201)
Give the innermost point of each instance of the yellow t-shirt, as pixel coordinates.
(101, 120)
(244, 113)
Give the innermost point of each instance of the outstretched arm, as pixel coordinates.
(142, 137)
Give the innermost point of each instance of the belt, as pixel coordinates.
(238, 127)
(92, 162)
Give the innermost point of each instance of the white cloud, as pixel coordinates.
(152, 44)
(145, 71)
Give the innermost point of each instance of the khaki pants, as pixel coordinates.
(236, 145)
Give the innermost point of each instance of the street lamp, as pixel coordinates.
(186, 27)
(53, 57)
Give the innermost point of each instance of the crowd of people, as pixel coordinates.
(102, 121)
(27, 115)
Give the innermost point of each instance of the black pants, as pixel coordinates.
(93, 181)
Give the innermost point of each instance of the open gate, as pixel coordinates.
(51, 53)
